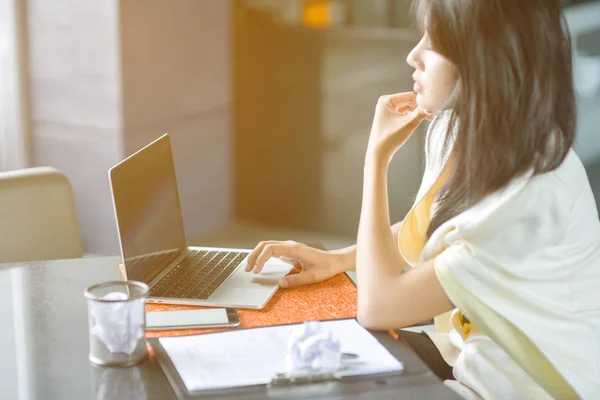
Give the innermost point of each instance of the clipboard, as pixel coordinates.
(312, 387)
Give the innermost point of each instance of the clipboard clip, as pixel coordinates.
(283, 380)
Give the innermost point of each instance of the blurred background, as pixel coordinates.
(269, 104)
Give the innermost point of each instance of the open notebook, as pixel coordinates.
(254, 356)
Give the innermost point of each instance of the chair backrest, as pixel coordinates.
(38, 219)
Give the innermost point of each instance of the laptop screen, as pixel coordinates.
(147, 208)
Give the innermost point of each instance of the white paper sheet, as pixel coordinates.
(254, 356)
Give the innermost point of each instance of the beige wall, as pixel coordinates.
(175, 79)
(15, 152)
(109, 76)
(76, 104)
(357, 69)
(303, 108)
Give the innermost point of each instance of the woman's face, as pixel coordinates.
(435, 76)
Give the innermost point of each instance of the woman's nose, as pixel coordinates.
(412, 59)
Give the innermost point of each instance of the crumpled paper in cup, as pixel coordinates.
(119, 325)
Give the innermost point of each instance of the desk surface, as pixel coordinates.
(44, 345)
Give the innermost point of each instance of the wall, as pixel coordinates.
(76, 104)
(584, 24)
(107, 77)
(357, 69)
(14, 103)
(304, 104)
(175, 79)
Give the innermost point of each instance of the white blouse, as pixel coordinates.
(523, 265)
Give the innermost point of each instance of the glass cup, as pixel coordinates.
(117, 323)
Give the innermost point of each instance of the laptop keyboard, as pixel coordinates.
(198, 275)
(152, 265)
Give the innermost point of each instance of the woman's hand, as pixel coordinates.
(317, 265)
(396, 117)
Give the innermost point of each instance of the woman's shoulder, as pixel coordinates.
(534, 211)
(547, 215)
(566, 187)
(552, 200)
(569, 175)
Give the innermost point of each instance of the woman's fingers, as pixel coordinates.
(300, 279)
(403, 109)
(291, 261)
(294, 253)
(415, 118)
(274, 249)
(256, 252)
(267, 252)
(430, 115)
(402, 102)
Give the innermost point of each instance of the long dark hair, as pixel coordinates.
(513, 108)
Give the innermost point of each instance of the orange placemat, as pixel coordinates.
(333, 299)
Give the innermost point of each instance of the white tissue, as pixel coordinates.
(119, 325)
(312, 349)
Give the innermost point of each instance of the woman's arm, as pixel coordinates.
(347, 255)
(317, 265)
(387, 297)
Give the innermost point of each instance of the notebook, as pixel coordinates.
(252, 357)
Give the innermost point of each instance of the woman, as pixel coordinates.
(504, 231)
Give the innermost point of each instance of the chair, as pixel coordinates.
(38, 220)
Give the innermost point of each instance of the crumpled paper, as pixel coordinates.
(119, 325)
(312, 349)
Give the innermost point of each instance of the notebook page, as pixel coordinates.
(253, 356)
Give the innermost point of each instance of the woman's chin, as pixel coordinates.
(425, 104)
(422, 101)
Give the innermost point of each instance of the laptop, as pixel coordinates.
(153, 245)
